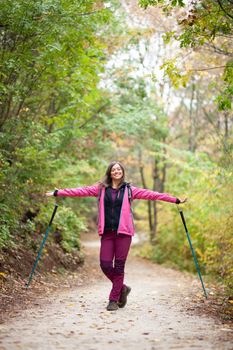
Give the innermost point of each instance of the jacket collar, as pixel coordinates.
(121, 186)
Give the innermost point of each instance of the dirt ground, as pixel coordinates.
(165, 310)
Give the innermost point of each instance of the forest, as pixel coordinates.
(147, 83)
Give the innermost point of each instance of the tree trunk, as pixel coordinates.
(149, 208)
(159, 178)
(192, 126)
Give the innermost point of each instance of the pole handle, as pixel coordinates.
(54, 212)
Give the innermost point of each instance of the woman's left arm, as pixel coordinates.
(142, 193)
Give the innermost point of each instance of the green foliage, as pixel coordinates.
(175, 75)
(51, 56)
(201, 23)
(58, 129)
(225, 99)
(143, 123)
(208, 215)
(202, 176)
(167, 5)
(67, 225)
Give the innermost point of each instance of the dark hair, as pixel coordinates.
(107, 180)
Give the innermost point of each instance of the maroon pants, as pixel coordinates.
(113, 254)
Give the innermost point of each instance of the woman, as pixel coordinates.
(115, 224)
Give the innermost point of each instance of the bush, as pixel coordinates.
(66, 224)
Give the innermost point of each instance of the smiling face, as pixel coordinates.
(116, 172)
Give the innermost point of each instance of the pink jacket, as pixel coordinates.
(126, 224)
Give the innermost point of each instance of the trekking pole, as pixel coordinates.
(192, 250)
(41, 247)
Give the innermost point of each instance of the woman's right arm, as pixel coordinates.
(86, 191)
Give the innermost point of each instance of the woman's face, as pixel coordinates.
(116, 172)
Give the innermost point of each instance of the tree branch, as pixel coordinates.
(86, 122)
(88, 13)
(208, 117)
(94, 116)
(203, 69)
(218, 50)
(224, 10)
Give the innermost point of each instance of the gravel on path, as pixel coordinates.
(160, 314)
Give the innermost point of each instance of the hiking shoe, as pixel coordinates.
(112, 305)
(123, 298)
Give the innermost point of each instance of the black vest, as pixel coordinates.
(112, 209)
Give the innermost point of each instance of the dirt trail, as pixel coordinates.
(160, 314)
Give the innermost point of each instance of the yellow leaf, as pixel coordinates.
(199, 253)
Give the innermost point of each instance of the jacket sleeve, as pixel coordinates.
(142, 193)
(86, 191)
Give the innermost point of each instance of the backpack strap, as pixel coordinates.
(129, 192)
(99, 193)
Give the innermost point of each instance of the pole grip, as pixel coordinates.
(54, 212)
(183, 220)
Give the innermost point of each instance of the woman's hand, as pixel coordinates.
(49, 194)
(183, 200)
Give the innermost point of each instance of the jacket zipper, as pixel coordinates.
(117, 196)
(112, 217)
